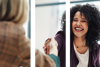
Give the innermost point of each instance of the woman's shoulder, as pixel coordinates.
(60, 37)
(96, 52)
(99, 47)
(61, 34)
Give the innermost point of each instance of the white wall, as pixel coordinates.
(45, 23)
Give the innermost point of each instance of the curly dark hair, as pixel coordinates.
(92, 16)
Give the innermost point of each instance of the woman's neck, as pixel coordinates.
(79, 41)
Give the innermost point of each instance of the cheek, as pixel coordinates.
(73, 24)
(86, 26)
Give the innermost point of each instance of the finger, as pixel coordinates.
(48, 49)
(47, 42)
(45, 50)
(48, 39)
(44, 47)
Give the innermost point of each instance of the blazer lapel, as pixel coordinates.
(90, 59)
(93, 57)
(73, 59)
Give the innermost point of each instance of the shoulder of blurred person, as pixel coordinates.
(15, 44)
(42, 60)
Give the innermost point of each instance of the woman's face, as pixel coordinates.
(79, 25)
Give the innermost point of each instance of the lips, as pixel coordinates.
(78, 29)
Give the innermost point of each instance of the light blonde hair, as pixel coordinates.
(14, 10)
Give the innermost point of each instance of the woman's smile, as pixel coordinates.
(79, 29)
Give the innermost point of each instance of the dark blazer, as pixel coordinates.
(67, 54)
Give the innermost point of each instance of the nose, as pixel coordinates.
(78, 23)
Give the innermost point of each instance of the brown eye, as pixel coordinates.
(83, 21)
(74, 20)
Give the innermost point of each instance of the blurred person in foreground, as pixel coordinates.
(14, 46)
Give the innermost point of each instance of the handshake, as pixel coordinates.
(49, 60)
(50, 46)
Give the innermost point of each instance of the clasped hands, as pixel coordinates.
(50, 46)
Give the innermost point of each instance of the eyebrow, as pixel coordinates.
(81, 18)
(74, 18)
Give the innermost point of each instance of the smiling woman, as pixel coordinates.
(77, 42)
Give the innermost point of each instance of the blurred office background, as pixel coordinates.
(47, 18)
(27, 24)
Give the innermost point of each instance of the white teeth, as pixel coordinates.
(78, 29)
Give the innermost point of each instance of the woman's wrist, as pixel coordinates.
(54, 51)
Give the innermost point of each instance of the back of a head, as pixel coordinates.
(14, 10)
